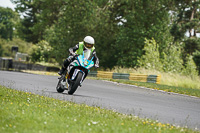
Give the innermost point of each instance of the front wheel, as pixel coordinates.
(75, 84)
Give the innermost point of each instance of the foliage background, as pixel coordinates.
(128, 34)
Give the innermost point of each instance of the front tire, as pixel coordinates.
(75, 84)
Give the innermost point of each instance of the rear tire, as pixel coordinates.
(76, 83)
(58, 87)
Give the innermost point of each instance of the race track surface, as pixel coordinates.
(146, 103)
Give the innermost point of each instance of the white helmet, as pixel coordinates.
(88, 42)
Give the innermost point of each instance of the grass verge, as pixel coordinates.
(175, 89)
(170, 79)
(24, 112)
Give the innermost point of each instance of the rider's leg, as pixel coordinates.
(65, 64)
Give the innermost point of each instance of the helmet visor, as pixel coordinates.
(87, 45)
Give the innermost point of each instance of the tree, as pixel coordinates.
(28, 9)
(186, 20)
(76, 20)
(141, 19)
(8, 20)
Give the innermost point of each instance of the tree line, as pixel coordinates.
(162, 35)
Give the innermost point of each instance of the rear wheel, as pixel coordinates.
(58, 87)
(75, 84)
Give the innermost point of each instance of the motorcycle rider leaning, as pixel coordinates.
(87, 44)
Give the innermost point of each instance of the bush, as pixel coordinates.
(151, 58)
(190, 66)
(41, 52)
(196, 58)
(5, 47)
(172, 60)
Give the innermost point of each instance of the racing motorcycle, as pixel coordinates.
(75, 73)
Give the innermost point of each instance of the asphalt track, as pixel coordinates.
(146, 103)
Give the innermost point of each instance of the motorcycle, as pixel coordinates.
(75, 73)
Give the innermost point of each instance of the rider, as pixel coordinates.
(87, 44)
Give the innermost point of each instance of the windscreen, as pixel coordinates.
(87, 54)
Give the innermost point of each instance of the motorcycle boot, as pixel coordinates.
(61, 70)
(66, 64)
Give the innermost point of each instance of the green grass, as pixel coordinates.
(170, 82)
(175, 89)
(23, 112)
(170, 79)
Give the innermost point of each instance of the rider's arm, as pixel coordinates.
(95, 59)
(73, 50)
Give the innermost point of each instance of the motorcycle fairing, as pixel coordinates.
(80, 64)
